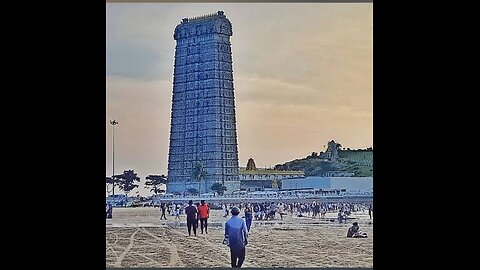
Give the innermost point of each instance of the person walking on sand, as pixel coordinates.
(164, 208)
(237, 234)
(370, 209)
(248, 217)
(109, 210)
(225, 209)
(191, 212)
(203, 212)
(177, 212)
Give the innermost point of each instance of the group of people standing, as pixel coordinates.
(197, 214)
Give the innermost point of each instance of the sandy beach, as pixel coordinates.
(135, 237)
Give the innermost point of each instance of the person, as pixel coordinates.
(177, 212)
(273, 209)
(164, 208)
(198, 216)
(354, 231)
(203, 212)
(340, 216)
(226, 210)
(256, 211)
(248, 217)
(237, 234)
(370, 209)
(322, 213)
(191, 212)
(281, 211)
(109, 210)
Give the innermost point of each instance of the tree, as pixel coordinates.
(155, 181)
(219, 188)
(313, 155)
(199, 174)
(111, 181)
(127, 181)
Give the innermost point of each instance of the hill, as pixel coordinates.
(357, 162)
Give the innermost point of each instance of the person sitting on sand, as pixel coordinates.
(354, 231)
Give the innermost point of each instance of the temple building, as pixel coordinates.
(255, 179)
(203, 133)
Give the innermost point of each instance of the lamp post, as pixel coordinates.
(113, 123)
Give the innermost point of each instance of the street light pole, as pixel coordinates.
(113, 123)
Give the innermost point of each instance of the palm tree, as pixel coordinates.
(199, 174)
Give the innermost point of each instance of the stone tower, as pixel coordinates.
(203, 133)
(251, 165)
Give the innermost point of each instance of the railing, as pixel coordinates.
(267, 196)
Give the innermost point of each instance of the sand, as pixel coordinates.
(135, 237)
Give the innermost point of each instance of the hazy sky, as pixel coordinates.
(302, 77)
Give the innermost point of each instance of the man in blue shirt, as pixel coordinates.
(237, 233)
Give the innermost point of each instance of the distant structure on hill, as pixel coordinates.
(332, 151)
(334, 162)
(251, 165)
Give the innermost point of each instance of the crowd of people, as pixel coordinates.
(269, 211)
(237, 228)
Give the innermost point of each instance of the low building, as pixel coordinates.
(350, 184)
(268, 174)
(260, 179)
(337, 174)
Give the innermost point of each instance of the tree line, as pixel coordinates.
(127, 181)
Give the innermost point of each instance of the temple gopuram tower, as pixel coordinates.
(203, 133)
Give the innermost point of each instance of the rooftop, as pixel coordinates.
(204, 17)
(243, 170)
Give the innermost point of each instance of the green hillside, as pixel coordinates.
(359, 162)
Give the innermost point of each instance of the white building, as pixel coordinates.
(351, 184)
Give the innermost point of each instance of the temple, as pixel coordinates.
(203, 133)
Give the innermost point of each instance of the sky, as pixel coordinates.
(303, 75)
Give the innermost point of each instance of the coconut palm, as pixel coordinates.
(199, 174)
